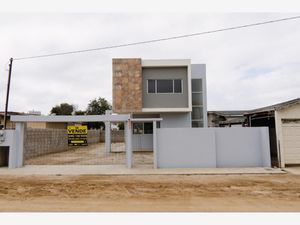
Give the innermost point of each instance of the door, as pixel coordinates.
(142, 139)
(291, 140)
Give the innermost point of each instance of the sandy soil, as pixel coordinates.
(279, 192)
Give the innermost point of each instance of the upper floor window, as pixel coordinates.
(165, 86)
(196, 85)
(151, 86)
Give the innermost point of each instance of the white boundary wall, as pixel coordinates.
(213, 147)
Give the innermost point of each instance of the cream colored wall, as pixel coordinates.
(9, 124)
(36, 125)
(56, 125)
(292, 112)
(43, 125)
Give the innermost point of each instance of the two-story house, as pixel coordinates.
(174, 90)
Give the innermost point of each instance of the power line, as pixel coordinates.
(159, 39)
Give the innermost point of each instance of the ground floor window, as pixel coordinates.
(138, 128)
(148, 128)
(143, 128)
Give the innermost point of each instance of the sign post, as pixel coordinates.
(77, 135)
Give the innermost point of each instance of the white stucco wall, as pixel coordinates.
(175, 120)
(292, 112)
(213, 147)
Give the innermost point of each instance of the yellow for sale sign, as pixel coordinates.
(77, 135)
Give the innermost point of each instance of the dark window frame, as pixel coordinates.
(173, 86)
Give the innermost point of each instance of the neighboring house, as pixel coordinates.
(9, 124)
(283, 120)
(226, 118)
(174, 90)
(46, 125)
(41, 125)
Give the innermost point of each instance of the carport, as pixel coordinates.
(15, 138)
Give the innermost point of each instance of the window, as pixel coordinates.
(151, 86)
(197, 113)
(148, 128)
(143, 128)
(165, 86)
(138, 128)
(196, 85)
(197, 99)
(197, 103)
(177, 86)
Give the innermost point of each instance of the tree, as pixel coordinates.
(80, 113)
(97, 107)
(62, 109)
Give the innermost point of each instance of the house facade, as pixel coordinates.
(283, 121)
(174, 90)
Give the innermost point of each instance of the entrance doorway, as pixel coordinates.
(142, 136)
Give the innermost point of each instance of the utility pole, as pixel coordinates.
(7, 91)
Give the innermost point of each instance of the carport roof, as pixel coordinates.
(275, 106)
(87, 118)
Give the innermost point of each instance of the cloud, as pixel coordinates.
(246, 68)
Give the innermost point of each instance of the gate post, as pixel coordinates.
(107, 133)
(155, 144)
(19, 150)
(128, 143)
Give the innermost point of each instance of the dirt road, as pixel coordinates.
(279, 192)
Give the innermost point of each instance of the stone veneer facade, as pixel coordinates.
(127, 85)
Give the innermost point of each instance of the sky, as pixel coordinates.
(246, 68)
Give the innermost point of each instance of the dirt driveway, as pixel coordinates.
(94, 154)
(280, 192)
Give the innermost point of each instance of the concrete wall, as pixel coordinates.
(43, 141)
(116, 136)
(175, 120)
(165, 100)
(9, 145)
(213, 147)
